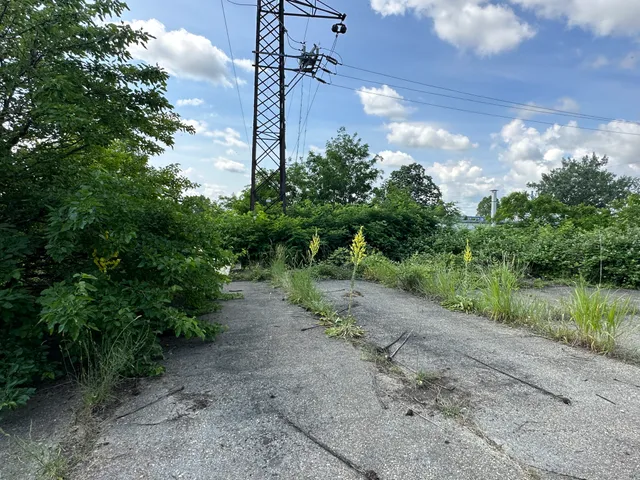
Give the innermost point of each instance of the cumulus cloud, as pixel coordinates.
(565, 103)
(477, 25)
(228, 138)
(602, 18)
(210, 190)
(245, 64)
(183, 54)
(229, 165)
(462, 182)
(423, 135)
(395, 159)
(200, 127)
(528, 152)
(383, 102)
(191, 102)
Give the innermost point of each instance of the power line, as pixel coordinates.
(242, 4)
(235, 74)
(495, 99)
(483, 113)
(530, 108)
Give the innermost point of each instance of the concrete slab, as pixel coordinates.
(596, 436)
(242, 395)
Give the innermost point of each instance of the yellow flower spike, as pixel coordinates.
(358, 247)
(467, 254)
(314, 246)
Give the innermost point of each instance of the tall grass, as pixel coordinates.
(498, 293)
(597, 316)
(301, 289)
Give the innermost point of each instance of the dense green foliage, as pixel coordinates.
(484, 207)
(395, 225)
(93, 241)
(344, 174)
(414, 179)
(585, 182)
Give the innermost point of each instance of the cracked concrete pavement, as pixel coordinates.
(596, 436)
(268, 400)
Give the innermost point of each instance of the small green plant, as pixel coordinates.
(380, 269)
(278, 266)
(426, 379)
(597, 316)
(498, 292)
(345, 327)
(450, 406)
(358, 253)
(48, 461)
(109, 361)
(314, 247)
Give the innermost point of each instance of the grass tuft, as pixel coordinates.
(48, 461)
(597, 317)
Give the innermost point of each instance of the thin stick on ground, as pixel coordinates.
(365, 473)
(563, 399)
(395, 341)
(606, 399)
(168, 394)
(402, 345)
(376, 389)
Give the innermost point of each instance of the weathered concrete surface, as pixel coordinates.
(229, 421)
(597, 436)
(43, 424)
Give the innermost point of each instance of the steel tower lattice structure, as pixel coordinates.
(268, 155)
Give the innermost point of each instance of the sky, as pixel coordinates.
(581, 57)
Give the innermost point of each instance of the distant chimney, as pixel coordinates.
(494, 206)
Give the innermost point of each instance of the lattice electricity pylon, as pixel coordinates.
(268, 157)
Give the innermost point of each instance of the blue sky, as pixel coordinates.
(578, 56)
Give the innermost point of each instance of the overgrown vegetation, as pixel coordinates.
(591, 317)
(97, 248)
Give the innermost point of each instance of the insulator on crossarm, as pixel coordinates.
(339, 28)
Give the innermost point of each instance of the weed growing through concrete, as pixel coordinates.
(48, 460)
(301, 290)
(357, 254)
(426, 379)
(597, 316)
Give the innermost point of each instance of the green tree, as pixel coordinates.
(414, 179)
(92, 239)
(586, 182)
(484, 207)
(515, 206)
(344, 174)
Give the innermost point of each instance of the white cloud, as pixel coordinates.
(183, 54)
(245, 64)
(228, 138)
(529, 153)
(602, 17)
(629, 61)
(423, 135)
(462, 182)
(477, 25)
(383, 102)
(200, 127)
(598, 62)
(231, 152)
(210, 190)
(229, 165)
(567, 104)
(395, 159)
(191, 102)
